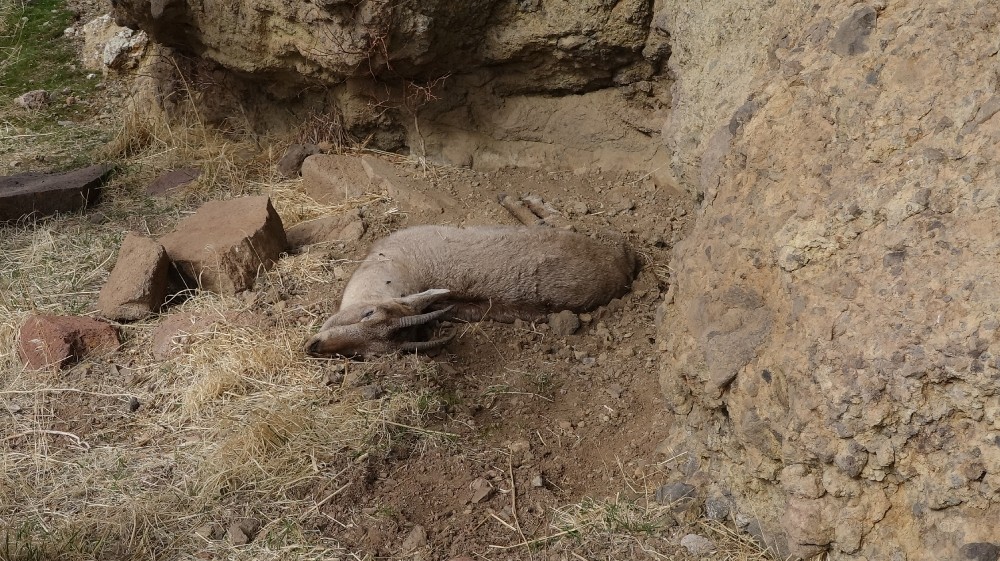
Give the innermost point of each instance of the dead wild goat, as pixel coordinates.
(502, 273)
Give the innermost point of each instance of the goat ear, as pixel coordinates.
(421, 300)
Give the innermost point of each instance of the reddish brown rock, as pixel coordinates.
(170, 181)
(345, 227)
(57, 341)
(334, 179)
(138, 284)
(34, 194)
(224, 245)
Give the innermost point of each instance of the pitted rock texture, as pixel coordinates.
(137, 285)
(330, 41)
(567, 85)
(47, 341)
(832, 337)
(224, 245)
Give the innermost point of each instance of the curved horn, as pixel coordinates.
(418, 346)
(420, 319)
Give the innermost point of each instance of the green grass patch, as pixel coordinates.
(34, 53)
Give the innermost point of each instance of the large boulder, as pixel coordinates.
(831, 339)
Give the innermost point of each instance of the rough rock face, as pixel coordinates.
(328, 41)
(831, 348)
(47, 341)
(483, 83)
(137, 285)
(225, 244)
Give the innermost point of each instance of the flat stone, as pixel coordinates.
(291, 163)
(675, 494)
(334, 179)
(345, 227)
(34, 195)
(48, 341)
(222, 247)
(407, 193)
(170, 181)
(137, 286)
(416, 539)
(697, 545)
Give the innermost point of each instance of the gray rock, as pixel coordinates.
(35, 99)
(675, 494)
(291, 163)
(698, 545)
(852, 35)
(416, 539)
(980, 551)
(32, 195)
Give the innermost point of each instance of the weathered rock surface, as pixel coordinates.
(168, 182)
(291, 163)
(335, 179)
(486, 84)
(331, 178)
(137, 285)
(831, 344)
(109, 46)
(34, 194)
(344, 227)
(411, 195)
(47, 341)
(35, 99)
(225, 244)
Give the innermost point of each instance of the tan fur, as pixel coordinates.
(487, 272)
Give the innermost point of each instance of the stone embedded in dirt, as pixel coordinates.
(344, 227)
(675, 494)
(416, 539)
(223, 246)
(852, 35)
(58, 341)
(405, 192)
(34, 194)
(291, 163)
(176, 332)
(697, 545)
(107, 45)
(481, 490)
(334, 179)
(137, 286)
(236, 536)
(537, 481)
(980, 551)
(168, 182)
(35, 99)
(564, 323)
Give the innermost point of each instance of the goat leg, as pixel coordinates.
(519, 210)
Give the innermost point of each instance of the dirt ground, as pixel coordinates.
(555, 418)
